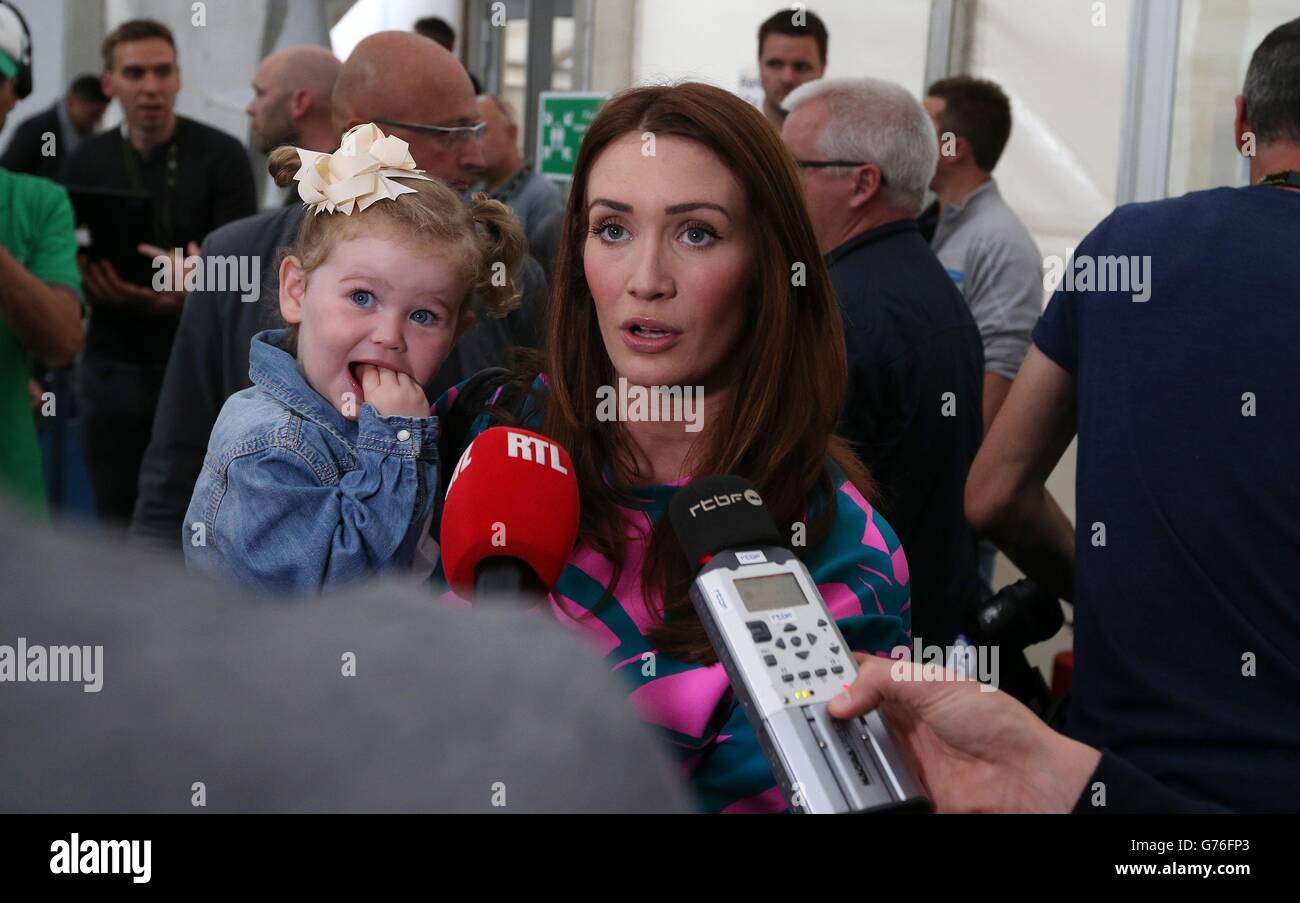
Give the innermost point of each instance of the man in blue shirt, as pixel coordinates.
(1170, 349)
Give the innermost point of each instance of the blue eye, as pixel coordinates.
(603, 232)
(700, 236)
(424, 317)
(361, 298)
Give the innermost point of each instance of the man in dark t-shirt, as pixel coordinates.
(1170, 348)
(915, 358)
(199, 179)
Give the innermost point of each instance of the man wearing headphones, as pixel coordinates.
(40, 288)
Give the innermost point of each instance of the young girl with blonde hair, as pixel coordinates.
(326, 469)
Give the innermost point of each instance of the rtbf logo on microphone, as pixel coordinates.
(722, 501)
(512, 495)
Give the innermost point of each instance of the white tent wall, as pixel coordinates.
(1216, 39)
(717, 42)
(369, 16)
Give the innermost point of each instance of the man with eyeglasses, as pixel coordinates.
(413, 89)
(866, 152)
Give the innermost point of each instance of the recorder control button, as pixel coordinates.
(790, 628)
(769, 659)
(838, 669)
(821, 672)
(803, 654)
(804, 675)
(787, 677)
(780, 644)
(758, 630)
(835, 650)
(812, 638)
(795, 641)
(821, 622)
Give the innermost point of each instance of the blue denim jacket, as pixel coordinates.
(294, 496)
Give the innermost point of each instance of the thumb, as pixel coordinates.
(873, 685)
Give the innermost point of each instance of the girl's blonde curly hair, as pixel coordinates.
(482, 241)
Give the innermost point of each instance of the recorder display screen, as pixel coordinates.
(771, 592)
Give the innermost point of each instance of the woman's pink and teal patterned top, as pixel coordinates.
(860, 569)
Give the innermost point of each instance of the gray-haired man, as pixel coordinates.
(866, 151)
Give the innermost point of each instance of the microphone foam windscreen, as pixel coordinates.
(720, 512)
(513, 495)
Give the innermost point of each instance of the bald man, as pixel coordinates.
(425, 98)
(414, 89)
(291, 104)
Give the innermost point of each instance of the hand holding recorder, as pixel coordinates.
(785, 656)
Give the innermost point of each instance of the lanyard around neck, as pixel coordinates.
(1289, 178)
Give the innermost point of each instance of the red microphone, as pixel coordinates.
(511, 515)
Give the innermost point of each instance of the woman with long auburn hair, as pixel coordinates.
(687, 259)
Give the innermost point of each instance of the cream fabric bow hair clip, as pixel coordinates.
(359, 173)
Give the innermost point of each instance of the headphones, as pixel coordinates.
(23, 77)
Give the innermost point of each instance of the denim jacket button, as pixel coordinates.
(403, 435)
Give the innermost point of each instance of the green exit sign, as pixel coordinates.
(562, 120)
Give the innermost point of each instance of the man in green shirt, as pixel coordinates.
(40, 292)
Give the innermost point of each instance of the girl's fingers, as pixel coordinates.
(414, 388)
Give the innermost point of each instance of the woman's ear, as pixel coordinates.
(293, 285)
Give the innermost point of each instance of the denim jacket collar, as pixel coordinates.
(276, 372)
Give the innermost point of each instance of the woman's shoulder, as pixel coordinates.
(466, 409)
(854, 511)
(861, 553)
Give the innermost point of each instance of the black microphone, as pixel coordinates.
(1014, 618)
(1018, 615)
(720, 512)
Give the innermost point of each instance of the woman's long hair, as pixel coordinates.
(778, 431)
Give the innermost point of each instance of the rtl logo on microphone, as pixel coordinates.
(535, 449)
(518, 445)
